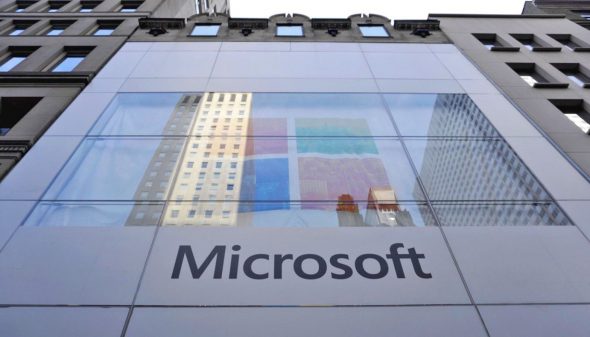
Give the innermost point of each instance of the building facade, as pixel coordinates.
(293, 176)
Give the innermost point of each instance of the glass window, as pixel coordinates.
(289, 30)
(55, 31)
(373, 31)
(17, 31)
(205, 30)
(436, 115)
(68, 63)
(11, 62)
(103, 31)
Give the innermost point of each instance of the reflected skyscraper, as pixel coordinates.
(384, 210)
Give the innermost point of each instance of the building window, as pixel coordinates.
(13, 109)
(584, 14)
(72, 58)
(129, 6)
(576, 111)
(57, 27)
(55, 6)
(567, 40)
(87, 7)
(290, 30)
(535, 76)
(105, 28)
(494, 43)
(15, 56)
(575, 72)
(533, 43)
(205, 29)
(373, 31)
(19, 27)
(21, 6)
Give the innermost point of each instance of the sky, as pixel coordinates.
(393, 9)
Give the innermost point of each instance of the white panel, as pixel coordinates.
(508, 121)
(255, 46)
(554, 172)
(291, 85)
(537, 320)
(460, 67)
(62, 322)
(121, 65)
(407, 66)
(73, 265)
(104, 85)
(290, 65)
(159, 288)
(136, 46)
(26, 181)
(81, 114)
(419, 86)
(325, 46)
(478, 87)
(523, 264)
(171, 64)
(186, 46)
(443, 48)
(297, 322)
(395, 48)
(164, 85)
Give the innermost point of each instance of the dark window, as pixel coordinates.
(575, 72)
(22, 5)
(19, 27)
(105, 27)
(13, 109)
(88, 6)
(15, 56)
(57, 27)
(129, 6)
(584, 14)
(535, 76)
(533, 43)
(567, 40)
(55, 6)
(576, 111)
(494, 43)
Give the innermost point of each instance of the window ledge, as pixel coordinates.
(582, 49)
(505, 49)
(551, 85)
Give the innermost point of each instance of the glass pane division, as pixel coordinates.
(468, 170)
(344, 213)
(94, 214)
(433, 115)
(246, 114)
(237, 168)
(500, 214)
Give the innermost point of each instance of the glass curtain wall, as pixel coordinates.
(294, 160)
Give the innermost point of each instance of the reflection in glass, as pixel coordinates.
(89, 214)
(438, 115)
(205, 30)
(344, 213)
(147, 114)
(289, 30)
(481, 169)
(118, 169)
(523, 214)
(68, 63)
(373, 31)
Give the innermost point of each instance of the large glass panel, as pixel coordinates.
(147, 114)
(91, 214)
(473, 170)
(438, 115)
(118, 169)
(513, 214)
(344, 213)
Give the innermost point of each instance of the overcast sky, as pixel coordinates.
(393, 9)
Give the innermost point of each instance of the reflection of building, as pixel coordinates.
(156, 180)
(348, 212)
(211, 166)
(384, 210)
